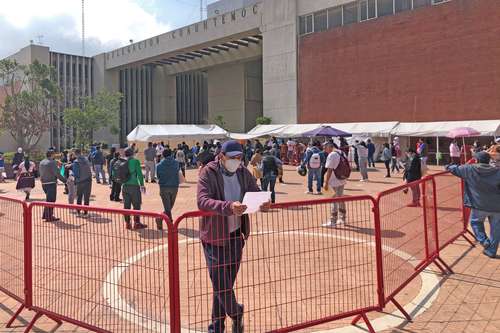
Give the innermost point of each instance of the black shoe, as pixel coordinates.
(153, 181)
(238, 326)
(159, 224)
(492, 256)
(139, 226)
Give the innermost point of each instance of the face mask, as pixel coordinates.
(232, 165)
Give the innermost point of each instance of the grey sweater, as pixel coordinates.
(49, 172)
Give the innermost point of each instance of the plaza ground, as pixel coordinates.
(468, 301)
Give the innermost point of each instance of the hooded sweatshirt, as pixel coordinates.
(168, 172)
(81, 170)
(482, 186)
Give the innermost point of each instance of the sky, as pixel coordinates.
(109, 24)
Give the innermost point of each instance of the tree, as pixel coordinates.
(30, 96)
(97, 112)
(263, 120)
(219, 121)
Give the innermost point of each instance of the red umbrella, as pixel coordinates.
(463, 132)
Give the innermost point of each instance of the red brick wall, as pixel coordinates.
(431, 64)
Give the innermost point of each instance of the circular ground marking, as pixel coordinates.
(428, 292)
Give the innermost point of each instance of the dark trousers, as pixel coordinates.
(182, 166)
(132, 197)
(223, 263)
(356, 161)
(371, 161)
(395, 165)
(50, 196)
(116, 188)
(83, 191)
(168, 196)
(388, 167)
(455, 160)
(269, 180)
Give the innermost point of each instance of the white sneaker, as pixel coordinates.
(329, 224)
(363, 180)
(309, 192)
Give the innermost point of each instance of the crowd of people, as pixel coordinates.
(227, 171)
(326, 164)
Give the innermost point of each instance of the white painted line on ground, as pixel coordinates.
(423, 301)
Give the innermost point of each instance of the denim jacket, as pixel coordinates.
(482, 186)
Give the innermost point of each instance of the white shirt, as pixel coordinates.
(454, 150)
(332, 162)
(362, 151)
(159, 149)
(291, 145)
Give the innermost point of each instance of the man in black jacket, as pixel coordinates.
(413, 172)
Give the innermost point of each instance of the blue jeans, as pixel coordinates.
(371, 161)
(477, 218)
(314, 174)
(99, 171)
(271, 181)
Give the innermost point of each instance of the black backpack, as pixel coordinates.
(121, 173)
(269, 164)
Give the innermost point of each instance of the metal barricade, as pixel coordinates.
(409, 235)
(89, 270)
(451, 216)
(292, 272)
(12, 250)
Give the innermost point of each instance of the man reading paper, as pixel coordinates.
(222, 185)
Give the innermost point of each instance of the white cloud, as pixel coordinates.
(110, 22)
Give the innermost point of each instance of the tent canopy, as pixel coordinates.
(149, 133)
(442, 128)
(367, 129)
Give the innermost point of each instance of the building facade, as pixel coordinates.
(302, 61)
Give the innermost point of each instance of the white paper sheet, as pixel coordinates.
(253, 201)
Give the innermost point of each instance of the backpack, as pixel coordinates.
(315, 161)
(121, 173)
(269, 164)
(343, 170)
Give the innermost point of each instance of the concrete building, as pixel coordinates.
(308, 61)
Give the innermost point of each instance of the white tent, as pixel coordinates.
(367, 129)
(149, 133)
(441, 128)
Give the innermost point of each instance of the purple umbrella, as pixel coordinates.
(463, 132)
(326, 131)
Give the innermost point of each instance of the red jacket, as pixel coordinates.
(213, 229)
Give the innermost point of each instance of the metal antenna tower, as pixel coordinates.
(83, 27)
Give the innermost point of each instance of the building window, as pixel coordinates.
(385, 7)
(306, 24)
(421, 3)
(334, 17)
(350, 13)
(320, 21)
(402, 5)
(367, 9)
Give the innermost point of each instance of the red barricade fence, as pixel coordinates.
(12, 249)
(291, 273)
(304, 274)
